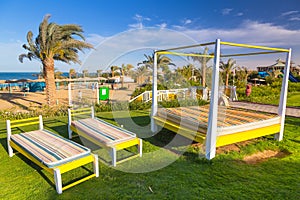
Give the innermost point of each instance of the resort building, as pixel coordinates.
(279, 65)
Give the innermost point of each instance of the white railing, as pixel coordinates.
(161, 94)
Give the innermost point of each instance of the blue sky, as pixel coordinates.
(265, 22)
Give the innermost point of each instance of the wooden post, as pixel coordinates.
(96, 165)
(8, 128)
(283, 95)
(140, 147)
(41, 125)
(92, 112)
(211, 135)
(70, 94)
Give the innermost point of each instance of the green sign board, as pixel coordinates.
(104, 93)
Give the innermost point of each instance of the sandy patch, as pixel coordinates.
(17, 101)
(263, 156)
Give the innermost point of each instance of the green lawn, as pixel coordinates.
(263, 95)
(294, 99)
(184, 177)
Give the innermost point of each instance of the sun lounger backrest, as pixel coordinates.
(20, 123)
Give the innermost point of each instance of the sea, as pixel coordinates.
(23, 75)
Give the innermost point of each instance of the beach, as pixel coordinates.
(18, 101)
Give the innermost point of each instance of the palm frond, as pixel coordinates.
(43, 31)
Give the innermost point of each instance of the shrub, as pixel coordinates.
(46, 111)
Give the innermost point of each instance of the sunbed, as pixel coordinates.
(103, 134)
(50, 151)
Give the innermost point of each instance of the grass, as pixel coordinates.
(293, 99)
(184, 177)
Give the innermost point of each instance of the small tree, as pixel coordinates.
(85, 73)
(99, 71)
(72, 73)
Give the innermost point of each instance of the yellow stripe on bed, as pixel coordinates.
(246, 135)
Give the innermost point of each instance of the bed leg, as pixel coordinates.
(10, 150)
(140, 147)
(113, 155)
(58, 182)
(96, 165)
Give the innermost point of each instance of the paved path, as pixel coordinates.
(290, 111)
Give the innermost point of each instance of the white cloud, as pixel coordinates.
(139, 21)
(187, 21)
(256, 33)
(294, 19)
(94, 39)
(113, 48)
(290, 13)
(226, 11)
(239, 14)
(162, 26)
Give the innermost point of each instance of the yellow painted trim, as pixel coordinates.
(199, 137)
(81, 113)
(129, 158)
(24, 120)
(184, 54)
(246, 135)
(254, 46)
(77, 182)
(251, 54)
(80, 109)
(25, 124)
(75, 163)
(126, 144)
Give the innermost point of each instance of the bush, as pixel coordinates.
(45, 111)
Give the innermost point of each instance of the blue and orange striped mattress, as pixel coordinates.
(48, 148)
(102, 131)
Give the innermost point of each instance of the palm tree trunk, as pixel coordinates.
(48, 65)
(203, 63)
(203, 75)
(123, 74)
(227, 78)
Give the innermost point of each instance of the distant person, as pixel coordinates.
(248, 90)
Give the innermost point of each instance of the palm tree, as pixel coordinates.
(72, 72)
(140, 73)
(85, 73)
(57, 73)
(162, 62)
(99, 71)
(54, 42)
(242, 74)
(113, 69)
(125, 69)
(227, 68)
(203, 61)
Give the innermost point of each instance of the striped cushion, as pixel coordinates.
(102, 131)
(228, 117)
(48, 148)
